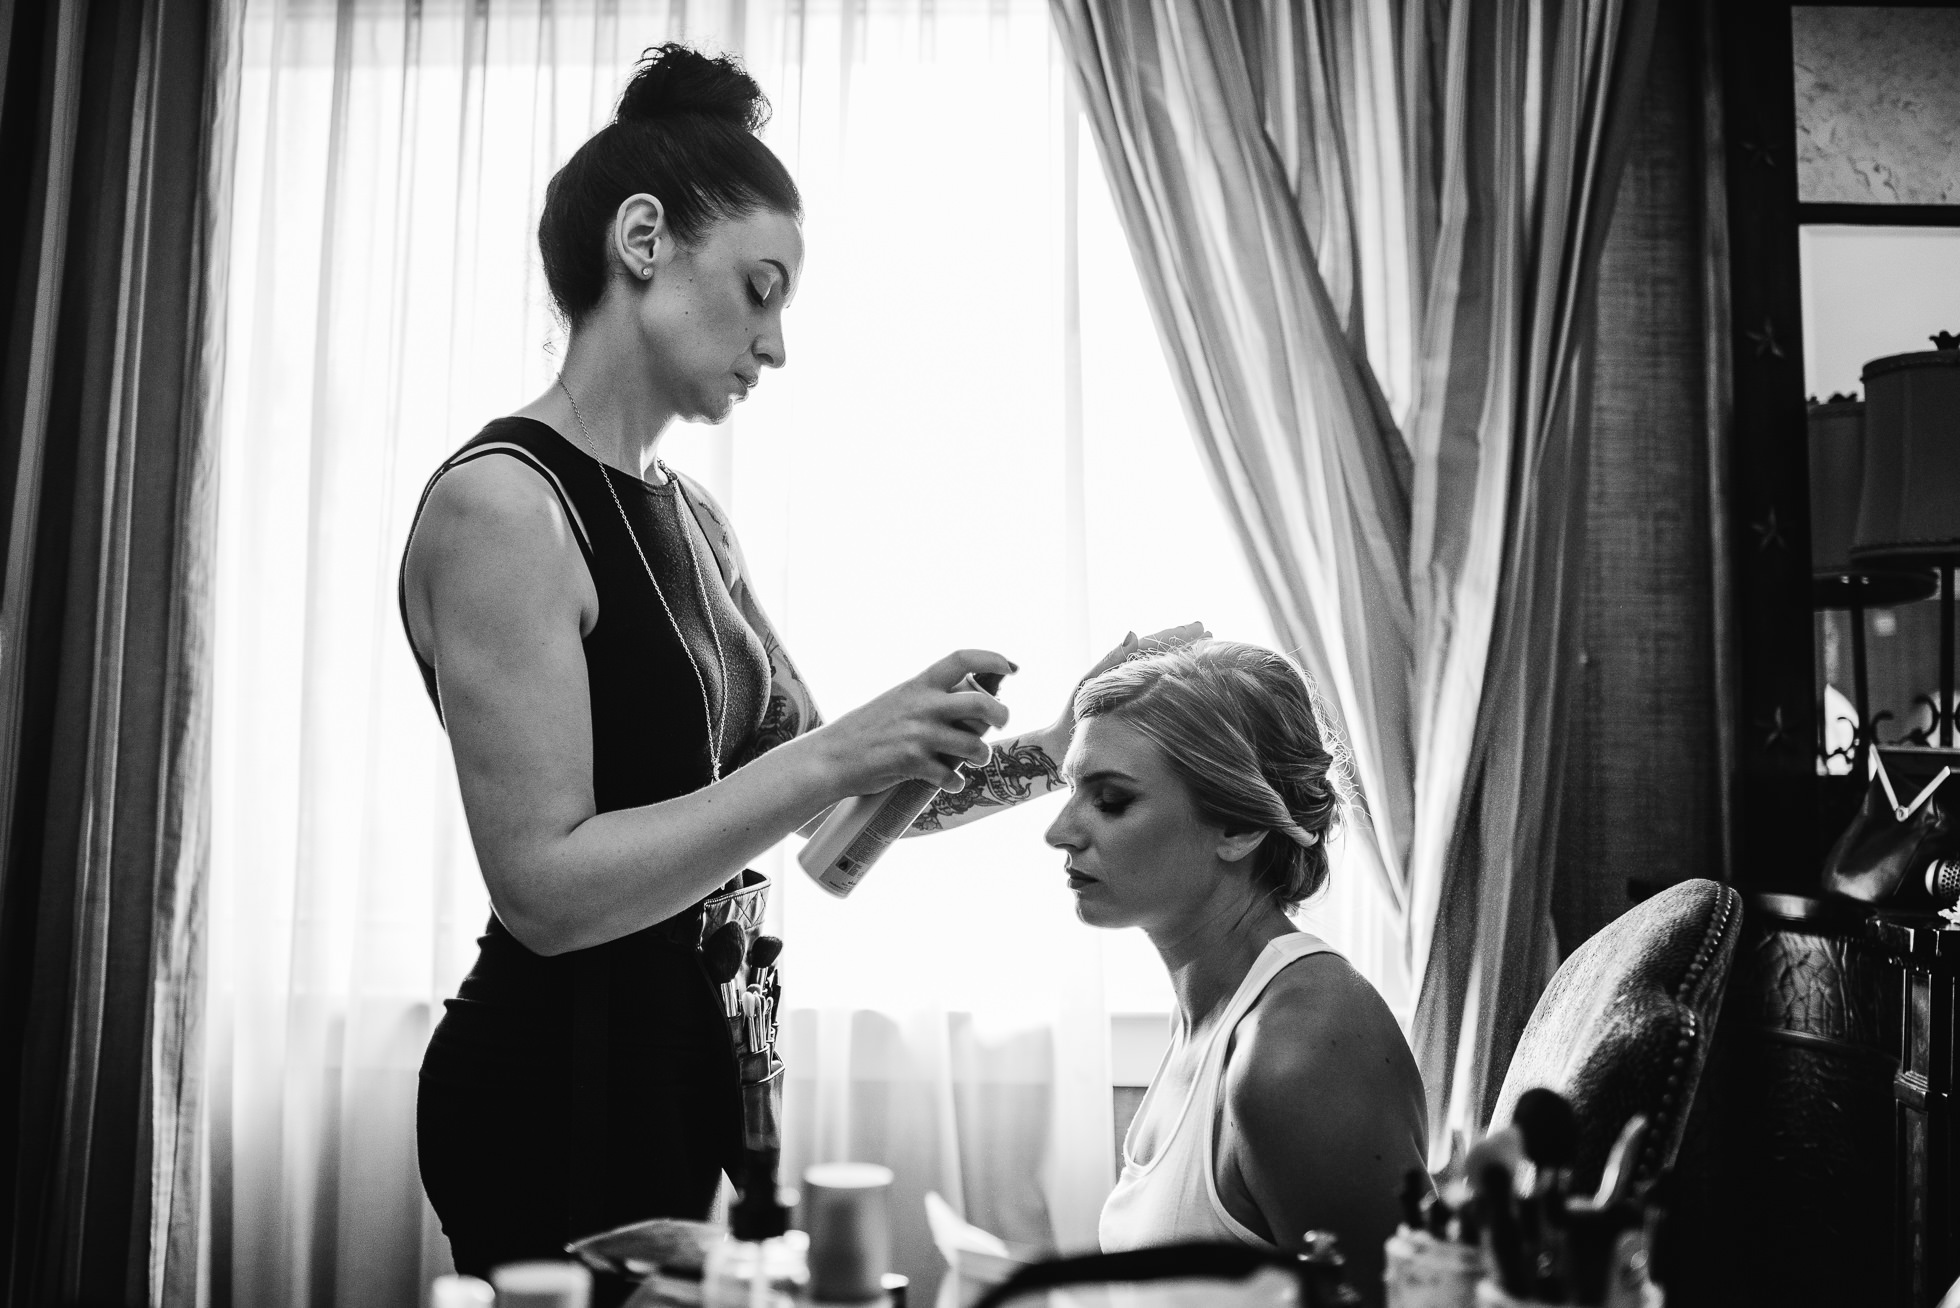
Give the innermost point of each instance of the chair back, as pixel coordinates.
(1624, 1026)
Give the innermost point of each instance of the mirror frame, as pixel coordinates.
(1778, 831)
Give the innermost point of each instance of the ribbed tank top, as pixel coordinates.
(649, 727)
(1173, 1195)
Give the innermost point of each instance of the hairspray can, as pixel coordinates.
(860, 829)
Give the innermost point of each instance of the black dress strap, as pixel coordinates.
(523, 455)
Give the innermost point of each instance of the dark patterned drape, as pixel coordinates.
(1651, 752)
(104, 118)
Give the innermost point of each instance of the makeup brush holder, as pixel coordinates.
(735, 910)
(1421, 1271)
(745, 902)
(762, 1101)
(747, 998)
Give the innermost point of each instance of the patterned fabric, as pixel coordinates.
(792, 710)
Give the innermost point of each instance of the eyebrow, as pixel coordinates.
(1100, 774)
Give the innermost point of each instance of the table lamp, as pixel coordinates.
(1837, 453)
(1909, 491)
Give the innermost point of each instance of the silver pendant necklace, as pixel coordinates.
(717, 722)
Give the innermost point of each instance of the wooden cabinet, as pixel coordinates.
(1828, 1142)
(1922, 963)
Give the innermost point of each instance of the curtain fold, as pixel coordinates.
(1291, 420)
(1536, 203)
(1291, 173)
(104, 679)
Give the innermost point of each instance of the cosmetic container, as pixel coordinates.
(859, 830)
(1423, 1271)
(769, 1273)
(461, 1292)
(1627, 1281)
(847, 1211)
(763, 1264)
(542, 1285)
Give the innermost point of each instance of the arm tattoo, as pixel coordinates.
(780, 722)
(1008, 778)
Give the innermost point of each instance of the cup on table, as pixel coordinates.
(847, 1211)
(542, 1285)
(461, 1292)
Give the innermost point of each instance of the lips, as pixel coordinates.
(1078, 879)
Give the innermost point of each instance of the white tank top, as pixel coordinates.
(1174, 1195)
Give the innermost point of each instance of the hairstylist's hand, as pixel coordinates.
(1168, 638)
(920, 729)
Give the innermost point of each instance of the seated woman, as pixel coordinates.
(1288, 1100)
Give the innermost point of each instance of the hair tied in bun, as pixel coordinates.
(685, 133)
(1239, 726)
(675, 79)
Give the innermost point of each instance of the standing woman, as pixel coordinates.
(628, 731)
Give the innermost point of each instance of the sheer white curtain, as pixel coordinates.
(1284, 166)
(977, 442)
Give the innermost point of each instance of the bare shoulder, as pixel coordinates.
(1321, 1033)
(1324, 1113)
(493, 528)
(498, 498)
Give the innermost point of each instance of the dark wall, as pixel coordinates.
(1641, 794)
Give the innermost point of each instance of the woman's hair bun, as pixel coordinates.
(684, 133)
(675, 79)
(1242, 727)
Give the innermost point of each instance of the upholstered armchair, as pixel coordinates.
(1626, 1024)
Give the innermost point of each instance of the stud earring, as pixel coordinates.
(646, 272)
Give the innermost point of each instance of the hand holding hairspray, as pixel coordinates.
(859, 830)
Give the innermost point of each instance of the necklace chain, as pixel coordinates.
(717, 721)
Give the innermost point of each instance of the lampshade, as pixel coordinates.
(1837, 451)
(1909, 501)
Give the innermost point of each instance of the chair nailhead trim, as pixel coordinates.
(1711, 940)
(1705, 952)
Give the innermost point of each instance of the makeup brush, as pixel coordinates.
(1504, 1145)
(1550, 1131)
(1415, 1188)
(1617, 1179)
(1494, 1202)
(1500, 1152)
(1595, 1223)
(764, 951)
(722, 952)
(1436, 1214)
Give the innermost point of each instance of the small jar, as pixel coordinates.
(1421, 1271)
(771, 1273)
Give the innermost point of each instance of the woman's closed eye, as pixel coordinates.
(1111, 802)
(764, 288)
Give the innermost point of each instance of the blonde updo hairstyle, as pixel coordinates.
(1240, 726)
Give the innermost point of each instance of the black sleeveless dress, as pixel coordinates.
(563, 1095)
